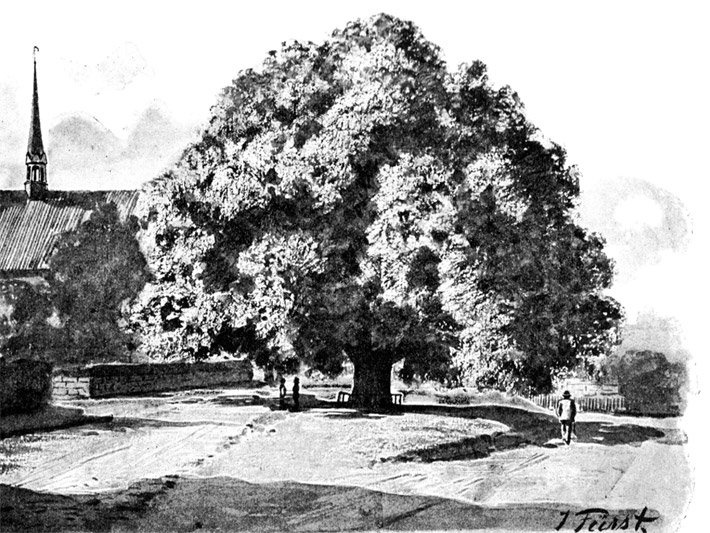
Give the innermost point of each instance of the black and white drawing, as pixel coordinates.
(380, 266)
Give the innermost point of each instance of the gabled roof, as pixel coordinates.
(29, 230)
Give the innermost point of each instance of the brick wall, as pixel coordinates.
(101, 381)
(65, 387)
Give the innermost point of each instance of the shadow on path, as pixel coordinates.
(612, 434)
(351, 413)
(527, 428)
(239, 401)
(228, 504)
(49, 418)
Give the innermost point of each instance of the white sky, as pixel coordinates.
(624, 86)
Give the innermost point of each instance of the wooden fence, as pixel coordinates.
(598, 404)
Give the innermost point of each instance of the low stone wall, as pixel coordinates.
(65, 387)
(102, 381)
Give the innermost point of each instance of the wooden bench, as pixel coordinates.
(343, 397)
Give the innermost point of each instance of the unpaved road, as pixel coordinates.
(615, 465)
(148, 438)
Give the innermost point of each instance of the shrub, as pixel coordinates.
(25, 385)
(76, 317)
(651, 384)
(454, 397)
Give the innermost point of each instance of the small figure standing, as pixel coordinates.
(296, 394)
(282, 393)
(566, 411)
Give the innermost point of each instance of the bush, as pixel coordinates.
(462, 396)
(651, 384)
(454, 397)
(25, 385)
(76, 318)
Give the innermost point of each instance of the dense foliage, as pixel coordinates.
(354, 199)
(650, 382)
(77, 317)
(25, 385)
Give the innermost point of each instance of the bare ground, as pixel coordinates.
(228, 504)
(215, 461)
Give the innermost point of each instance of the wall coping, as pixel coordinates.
(148, 369)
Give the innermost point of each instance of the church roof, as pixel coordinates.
(29, 230)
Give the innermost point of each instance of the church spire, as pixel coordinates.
(36, 158)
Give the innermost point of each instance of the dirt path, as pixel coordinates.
(615, 465)
(159, 441)
(305, 449)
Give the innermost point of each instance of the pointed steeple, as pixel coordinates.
(36, 158)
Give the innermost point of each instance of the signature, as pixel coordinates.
(598, 519)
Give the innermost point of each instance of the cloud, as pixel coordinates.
(153, 133)
(85, 155)
(122, 67)
(648, 232)
(654, 332)
(12, 143)
(641, 222)
(77, 141)
(637, 212)
(93, 158)
(12, 176)
(9, 118)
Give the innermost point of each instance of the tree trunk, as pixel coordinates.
(269, 377)
(372, 381)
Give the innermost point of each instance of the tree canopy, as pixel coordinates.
(77, 317)
(356, 200)
(650, 382)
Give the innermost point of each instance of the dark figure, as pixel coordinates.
(566, 411)
(296, 394)
(282, 393)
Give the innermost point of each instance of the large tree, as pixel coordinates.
(355, 200)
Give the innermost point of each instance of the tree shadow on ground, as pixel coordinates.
(612, 434)
(48, 418)
(123, 424)
(228, 504)
(240, 401)
(351, 413)
(526, 428)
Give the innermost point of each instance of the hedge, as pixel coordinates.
(25, 385)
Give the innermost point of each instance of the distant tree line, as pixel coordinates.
(650, 382)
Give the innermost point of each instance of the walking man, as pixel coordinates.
(566, 411)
